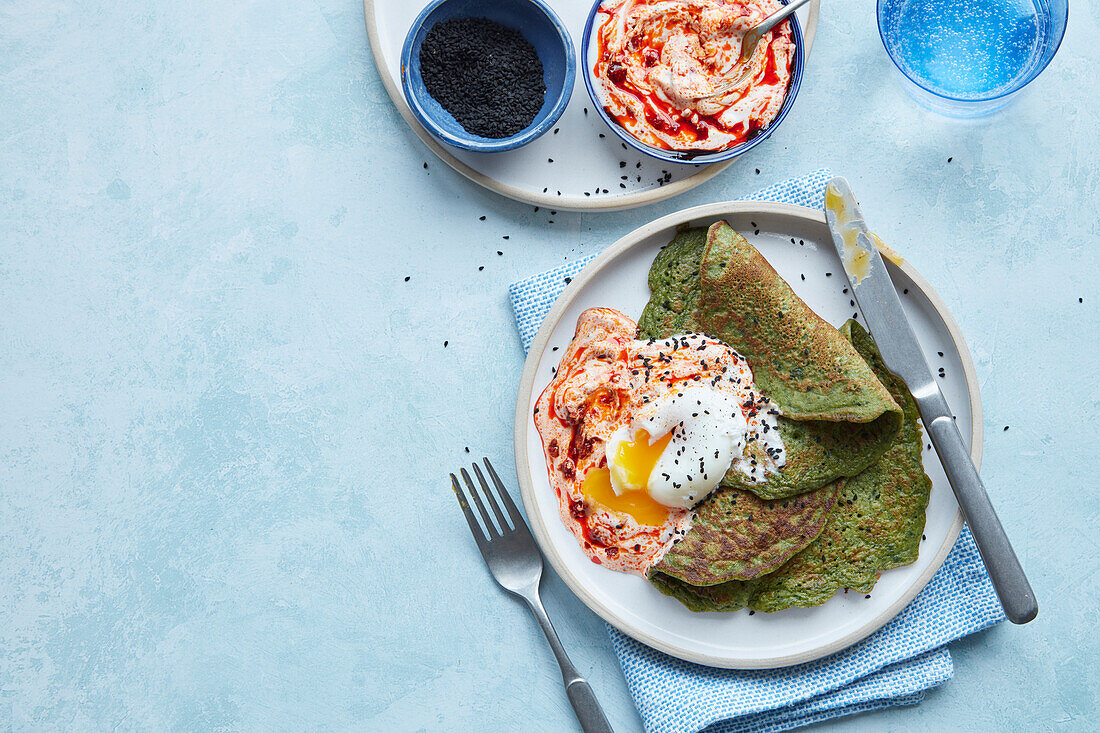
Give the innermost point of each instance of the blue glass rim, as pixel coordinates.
(966, 100)
(475, 143)
(687, 158)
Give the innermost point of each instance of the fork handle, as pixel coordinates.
(580, 693)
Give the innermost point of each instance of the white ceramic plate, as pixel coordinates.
(617, 279)
(583, 161)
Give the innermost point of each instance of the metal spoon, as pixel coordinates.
(749, 43)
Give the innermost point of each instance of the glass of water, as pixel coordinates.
(970, 57)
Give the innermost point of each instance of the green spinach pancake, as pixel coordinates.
(837, 417)
(736, 535)
(877, 524)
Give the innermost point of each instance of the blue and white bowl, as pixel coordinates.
(589, 51)
(537, 23)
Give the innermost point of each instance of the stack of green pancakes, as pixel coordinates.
(850, 500)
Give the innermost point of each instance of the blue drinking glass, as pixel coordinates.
(966, 58)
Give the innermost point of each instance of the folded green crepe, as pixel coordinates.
(736, 535)
(837, 419)
(877, 524)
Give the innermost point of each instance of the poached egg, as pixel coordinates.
(679, 447)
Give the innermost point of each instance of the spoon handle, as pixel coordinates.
(778, 17)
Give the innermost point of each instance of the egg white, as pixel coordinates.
(708, 431)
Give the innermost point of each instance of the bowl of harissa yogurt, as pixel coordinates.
(659, 73)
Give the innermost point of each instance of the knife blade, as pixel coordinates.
(873, 289)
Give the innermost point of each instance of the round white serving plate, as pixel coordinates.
(583, 161)
(617, 279)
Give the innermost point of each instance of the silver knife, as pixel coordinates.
(877, 298)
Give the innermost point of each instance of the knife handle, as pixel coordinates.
(1008, 577)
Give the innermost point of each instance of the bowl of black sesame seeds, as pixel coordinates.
(488, 75)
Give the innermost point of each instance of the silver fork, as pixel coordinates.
(516, 563)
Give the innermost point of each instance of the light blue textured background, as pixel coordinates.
(225, 418)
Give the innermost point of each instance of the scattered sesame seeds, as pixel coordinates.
(445, 344)
(407, 278)
(1006, 429)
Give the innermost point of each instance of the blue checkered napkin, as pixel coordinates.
(894, 666)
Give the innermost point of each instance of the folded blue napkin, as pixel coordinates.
(894, 666)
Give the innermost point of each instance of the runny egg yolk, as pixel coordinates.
(633, 462)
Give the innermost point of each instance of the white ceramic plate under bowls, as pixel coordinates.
(796, 241)
(581, 166)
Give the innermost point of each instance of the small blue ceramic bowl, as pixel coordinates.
(539, 25)
(588, 53)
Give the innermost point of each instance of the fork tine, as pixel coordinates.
(513, 512)
(504, 528)
(470, 520)
(490, 530)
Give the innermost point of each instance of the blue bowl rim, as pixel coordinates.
(670, 156)
(483, 145)
(965, 100)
